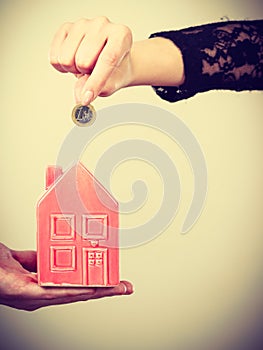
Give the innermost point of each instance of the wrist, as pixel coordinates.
(157, 62)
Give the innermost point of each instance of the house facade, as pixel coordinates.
(77, 231)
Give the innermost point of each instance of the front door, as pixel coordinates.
(95, 266)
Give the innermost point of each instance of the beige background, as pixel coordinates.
(196, 291)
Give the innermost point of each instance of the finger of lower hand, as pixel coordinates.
(123, 288)
(27, 258)
(85, 293)
(58, 296)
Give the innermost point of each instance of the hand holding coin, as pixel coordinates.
(103, 57)
(94, 50)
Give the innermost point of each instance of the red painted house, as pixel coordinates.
(77, 231)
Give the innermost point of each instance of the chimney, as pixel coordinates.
(53, 172)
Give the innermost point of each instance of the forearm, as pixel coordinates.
(156, 61)
(224, 55)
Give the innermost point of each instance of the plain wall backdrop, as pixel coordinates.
(196, 291)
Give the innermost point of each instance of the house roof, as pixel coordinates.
(77, 189)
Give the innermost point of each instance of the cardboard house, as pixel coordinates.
(77, 231)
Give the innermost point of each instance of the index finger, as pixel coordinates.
(117, 46)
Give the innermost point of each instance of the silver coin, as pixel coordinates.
(83, 115)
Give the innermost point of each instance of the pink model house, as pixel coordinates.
(77, 231)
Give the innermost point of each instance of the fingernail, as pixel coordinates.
(130, 290)
(124, 288)
(87, 98)
(127, 287)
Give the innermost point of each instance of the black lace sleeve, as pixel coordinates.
(225, 55)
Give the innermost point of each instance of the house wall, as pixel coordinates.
(52, 244)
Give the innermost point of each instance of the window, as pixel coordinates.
(95, 227)
(62, 226)
(63, 258)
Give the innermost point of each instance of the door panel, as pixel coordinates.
(95, 266)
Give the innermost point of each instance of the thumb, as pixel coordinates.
(27, 258)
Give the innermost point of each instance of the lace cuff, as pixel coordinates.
(225, 55)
